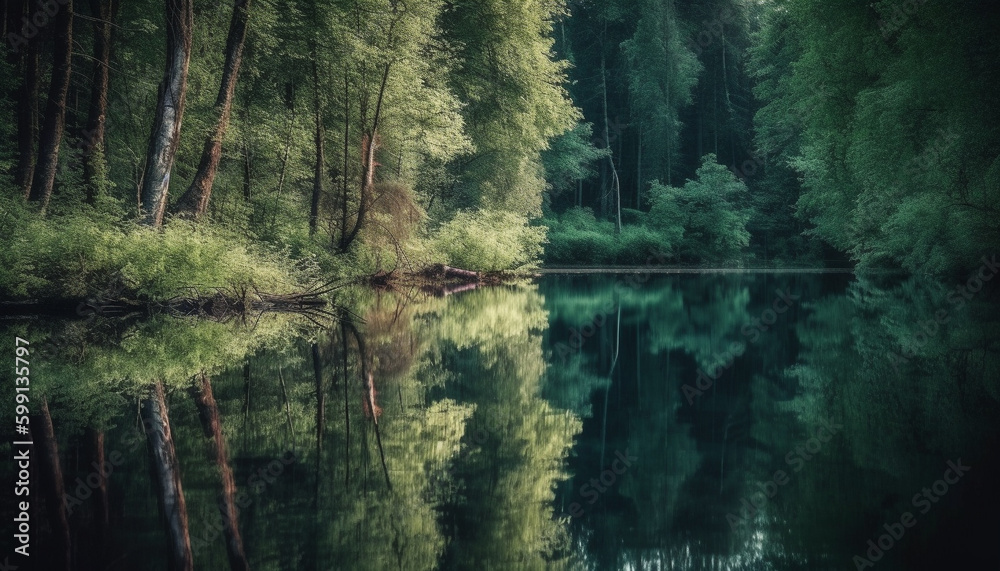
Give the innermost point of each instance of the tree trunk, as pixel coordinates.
(320, 399)
(248, 177)
(320, 420)
(347, 408)
(54, 124)
(605, 136)
(47, 449)
(24, 58)
(638, 171)
(369, 146)
(615, 184)
(167, 479)
(195, 199)
(670, 142)
(347, 151)
(101, 519)
(93, 138)
(317, 191)
(166, 131)
(211, 423)
(284, 156)
(368, 385)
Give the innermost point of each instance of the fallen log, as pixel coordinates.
(443, 272)
(460, 273)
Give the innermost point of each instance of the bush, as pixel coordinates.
(637, 243)
(572, 246)
(82, 254)
(710, 213)
(578, 238)
(489, 240)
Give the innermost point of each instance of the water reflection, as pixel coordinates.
(579, 423)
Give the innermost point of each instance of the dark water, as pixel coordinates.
(574, 424)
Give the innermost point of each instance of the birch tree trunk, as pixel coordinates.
(166, 132)
(167, 479)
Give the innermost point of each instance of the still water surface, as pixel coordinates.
(716, 421)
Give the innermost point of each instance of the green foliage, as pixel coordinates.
(704, 221)
(512, 88)
(84, 254)
(489, 240)
(662, 73)
(578, 238)
(890, 123)
(711, 213)
(571, 158)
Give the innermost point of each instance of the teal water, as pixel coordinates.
(714, 421)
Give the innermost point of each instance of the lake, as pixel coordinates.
(754, 420)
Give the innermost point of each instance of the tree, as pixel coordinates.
(662, 72)
(50, 137)
(570, 159)
(712, 210)
(195, 200)
(53, 485)
(211, 422)
(319, 165)
(167, 478)
(104, 13)
(898, 165)
(515, 102)
(400, 30)
(24, 60)
(166, 131)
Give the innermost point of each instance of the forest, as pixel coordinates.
(390, 284)
(149, 146)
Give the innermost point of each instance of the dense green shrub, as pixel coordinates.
(578, 238)
(83, 254)
(489, 240)
(703, 221)
(637, 243)
(711, 213)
